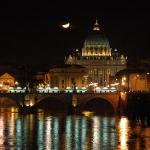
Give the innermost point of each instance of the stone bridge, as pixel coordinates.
(71, 99)
(82, 99)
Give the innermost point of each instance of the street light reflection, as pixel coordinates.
(123, 133)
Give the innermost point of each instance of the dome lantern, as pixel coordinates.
(96, 26)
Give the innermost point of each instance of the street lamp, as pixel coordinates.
(76, 51)
(137, 77)
(123, 82)
(94, 85)
(147, 75)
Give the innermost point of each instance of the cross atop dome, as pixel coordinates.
(96, 26)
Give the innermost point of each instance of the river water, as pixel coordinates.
(46, 131)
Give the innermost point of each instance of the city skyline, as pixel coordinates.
(32, 35)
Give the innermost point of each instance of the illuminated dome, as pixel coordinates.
(96, 40)
(96, 44)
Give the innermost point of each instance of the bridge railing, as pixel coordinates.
(40, 92)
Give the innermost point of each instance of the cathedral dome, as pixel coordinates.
(96, 40)
(96, 44)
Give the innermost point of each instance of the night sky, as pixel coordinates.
(30, 32)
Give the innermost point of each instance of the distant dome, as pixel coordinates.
(96, 40)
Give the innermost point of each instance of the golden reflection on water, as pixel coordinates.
(96, 133)
(1, 131)
(7, 123)
(42, 131)
(48, 133)
(132, 135)
(123, 133)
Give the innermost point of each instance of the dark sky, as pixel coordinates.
(30, 31)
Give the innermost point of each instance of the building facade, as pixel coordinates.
(66, 76)
(98, 57)
(6, 80)
(133, 80)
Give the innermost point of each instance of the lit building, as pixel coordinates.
(6, 80)
(138, 82)
(98, 57)
(67, 76)
(133, 80)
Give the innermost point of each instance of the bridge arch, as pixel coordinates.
(100, 98)
(99, 105)
(50, 102)
(84, 100)
(8, 102)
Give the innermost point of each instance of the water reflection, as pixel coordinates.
(123, 133)
(1, 131)
(84, 142)
(96, 133)
(68, 132)
(42, 131)
(48, 138)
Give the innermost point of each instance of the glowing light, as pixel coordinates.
(12, 127)
(40, 131)
(48, 137)
(19, 132)
(123, 95)
(124, 78)
(1, 131)
(77, 133)
(123, 81)
(84, 133)
(16, 83)
(114, 84)
(68, 132)
(123, 133)
(96, 133)
(31, 103)
(88, 113)
(56, 134)
(27, 103)
(67, 25)
(1, 85)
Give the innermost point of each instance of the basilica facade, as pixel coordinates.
(101, 61)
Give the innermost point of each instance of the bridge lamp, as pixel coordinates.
(124, 78)
(123, 95)
(95, 85)
(31, 103)
(123, 81)
(27, 103)
(16, 83)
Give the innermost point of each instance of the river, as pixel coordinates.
(47, 131)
